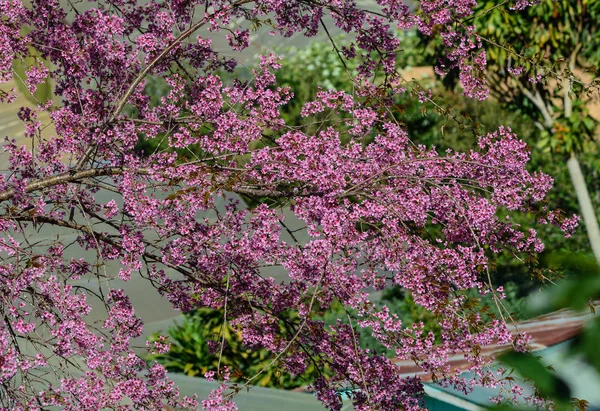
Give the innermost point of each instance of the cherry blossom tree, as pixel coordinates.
(366, 194)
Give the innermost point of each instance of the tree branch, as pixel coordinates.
(538, 101)
(568, 82)
(146, 70)
(76, 177)
(105, 239)
(67, 177)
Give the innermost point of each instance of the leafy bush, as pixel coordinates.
(202, 341)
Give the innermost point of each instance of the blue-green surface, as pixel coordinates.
(583, 381)
(437, 405)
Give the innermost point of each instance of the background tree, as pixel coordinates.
(543, 62)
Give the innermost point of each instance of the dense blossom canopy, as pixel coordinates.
(367, 195)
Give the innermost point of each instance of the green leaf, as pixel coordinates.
(581, 285)
(531, 368)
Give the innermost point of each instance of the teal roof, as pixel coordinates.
(581, 378)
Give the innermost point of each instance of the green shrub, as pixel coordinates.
(190, 354)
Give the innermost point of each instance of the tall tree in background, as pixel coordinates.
(543, 61)
(366, 199)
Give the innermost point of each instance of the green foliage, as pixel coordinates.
(560, 36)
(553, 40)
(401, 303)
(43, 91)
(531, 368)
(189, 353)
(454, 124)
(413, 53)
(306, 70)
(580, 287)
(569, 134)
(545, 33)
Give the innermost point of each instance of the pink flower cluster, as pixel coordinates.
(363, 191)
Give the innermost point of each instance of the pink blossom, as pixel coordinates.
(360, 188)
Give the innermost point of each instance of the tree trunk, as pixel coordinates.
(583, 196)
(585, 204)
